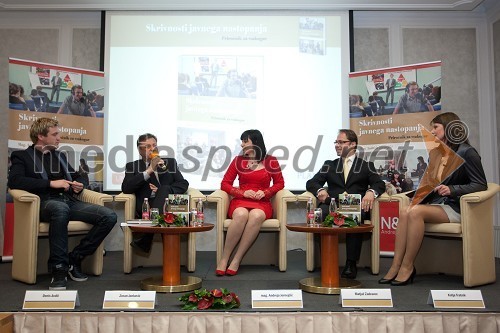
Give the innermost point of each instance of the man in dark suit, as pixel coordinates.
(56, 86)
(390, 84)
(347, 174)
(42, 170)
(153, 178)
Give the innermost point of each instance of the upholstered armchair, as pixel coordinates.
(133, 258)
(465, 249)
(271, 244)
(370, 253)
(31, 249)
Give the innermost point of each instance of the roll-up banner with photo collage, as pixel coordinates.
(45, 90)
(387, 106)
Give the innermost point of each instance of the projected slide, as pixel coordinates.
(198, 81)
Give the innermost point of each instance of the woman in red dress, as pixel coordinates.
(251, 203)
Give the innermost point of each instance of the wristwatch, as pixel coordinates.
(319, 190)
(375, 194)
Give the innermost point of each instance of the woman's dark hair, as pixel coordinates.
(420, 158)
(258, 143)
(13, 88)
(455, 131)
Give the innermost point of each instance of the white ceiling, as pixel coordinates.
(52, 5)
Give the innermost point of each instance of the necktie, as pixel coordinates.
(347, 168)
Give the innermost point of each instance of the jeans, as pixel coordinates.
(58, 211)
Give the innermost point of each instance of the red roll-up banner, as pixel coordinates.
(389, 217)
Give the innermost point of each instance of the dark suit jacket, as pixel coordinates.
(362, 176)
(467, 178)
(171, 182)
(392, 82)
(56, 83)
(27, 172)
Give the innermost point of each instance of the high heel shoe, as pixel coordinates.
(386, 281)
(230, 272)
(218, 272)
(397, 283)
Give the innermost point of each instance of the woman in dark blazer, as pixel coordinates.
(441, 203)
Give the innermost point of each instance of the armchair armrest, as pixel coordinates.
(221, 198)
(194, 195)
(478, 197)
(129, 203)
(27, 209)
(304, 197)
(279, 202)
(96, 198)
(24, 196)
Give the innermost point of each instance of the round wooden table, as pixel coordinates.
(171, 280)
(330, 281)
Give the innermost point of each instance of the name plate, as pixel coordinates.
(129, 300)
(50, 300)
(456, 299)
(366, 298)
(277, 299)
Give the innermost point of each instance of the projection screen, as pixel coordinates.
(197, 80)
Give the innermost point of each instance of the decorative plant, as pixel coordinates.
(339, 220)
(202, 299)
(169, 219)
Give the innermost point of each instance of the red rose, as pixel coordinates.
(193, 298)
(235, 297)
(169, 218)
(339, 221)
(217, 293)
(227, 299)
(205, 303)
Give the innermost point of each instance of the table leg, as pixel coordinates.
(330, 281)
(171, 280)
(171, 259)
(330, 260)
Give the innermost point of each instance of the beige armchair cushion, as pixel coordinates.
(370, 250)
(271, 244)
(133, 258)
(30, 253)
(465, 248)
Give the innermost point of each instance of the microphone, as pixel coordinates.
(161, 164)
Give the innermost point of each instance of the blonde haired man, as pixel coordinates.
(44, 171)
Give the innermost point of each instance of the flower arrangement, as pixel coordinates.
(169, 219)
(203, 299)
(340, 220)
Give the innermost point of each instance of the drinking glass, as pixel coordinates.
(318, 217)
(154, 213)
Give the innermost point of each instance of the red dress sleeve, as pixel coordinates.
(274, 169)
(229, 177)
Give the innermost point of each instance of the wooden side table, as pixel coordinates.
(330, 281)
(171, 280)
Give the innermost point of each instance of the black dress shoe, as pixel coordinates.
(350, 270)
(397, 283)
(142, 242)
(386, 281)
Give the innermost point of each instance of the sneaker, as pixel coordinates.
(59, 280)
(75, 270)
